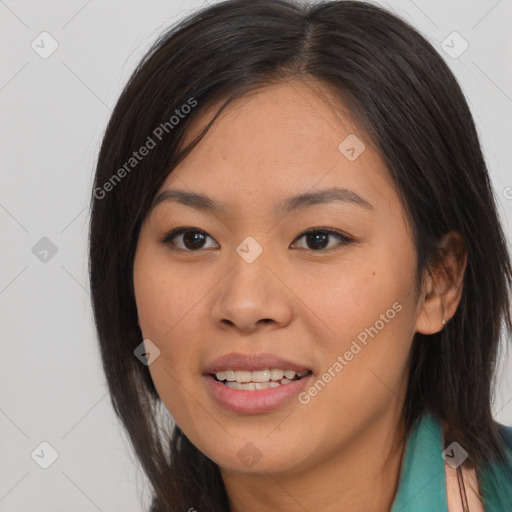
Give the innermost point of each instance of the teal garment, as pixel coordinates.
(422, 482)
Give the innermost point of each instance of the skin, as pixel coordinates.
(335, 452)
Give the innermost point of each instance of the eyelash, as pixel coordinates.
(345, 240)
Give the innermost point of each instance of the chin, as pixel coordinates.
(255, 457)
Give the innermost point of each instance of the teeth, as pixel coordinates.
(266, 376)
(243, 376)
(260, 376)
(276, 374)
(249, 386)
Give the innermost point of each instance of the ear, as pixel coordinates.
(443, 283)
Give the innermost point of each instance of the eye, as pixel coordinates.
(318, 238)
(193, 238)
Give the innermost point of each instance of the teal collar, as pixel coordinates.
(422, 483)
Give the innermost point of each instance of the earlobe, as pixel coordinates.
(443, 286)
(432, 314)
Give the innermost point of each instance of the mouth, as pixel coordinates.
(255, 383)
(255, 380)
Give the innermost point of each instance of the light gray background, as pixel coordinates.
(54, 112)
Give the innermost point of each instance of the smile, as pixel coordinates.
(256, 397)
(258, 379)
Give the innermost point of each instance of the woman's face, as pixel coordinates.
(246, 283)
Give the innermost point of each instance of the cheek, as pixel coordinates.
(166, 315)
(163, 298)
(354, 296)
(369, 317)
(364, 375)
(165, 305)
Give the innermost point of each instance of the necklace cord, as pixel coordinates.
(462, 489)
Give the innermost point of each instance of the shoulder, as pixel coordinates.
(471, 489)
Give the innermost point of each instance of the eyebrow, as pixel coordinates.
(204, 203)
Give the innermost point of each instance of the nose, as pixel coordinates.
(252, 296)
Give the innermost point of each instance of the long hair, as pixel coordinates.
(405, 97)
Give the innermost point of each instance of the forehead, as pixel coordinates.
(280, 139)
(293, 110)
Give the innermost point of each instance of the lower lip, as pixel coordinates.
(253, 402)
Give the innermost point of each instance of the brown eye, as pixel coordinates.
(192, 238)
(318, 239)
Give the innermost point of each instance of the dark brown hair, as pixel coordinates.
(408, 102)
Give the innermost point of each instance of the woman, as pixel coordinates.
(298, 273)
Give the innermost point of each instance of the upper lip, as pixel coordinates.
(237, 361)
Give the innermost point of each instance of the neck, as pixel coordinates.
(361, 476)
